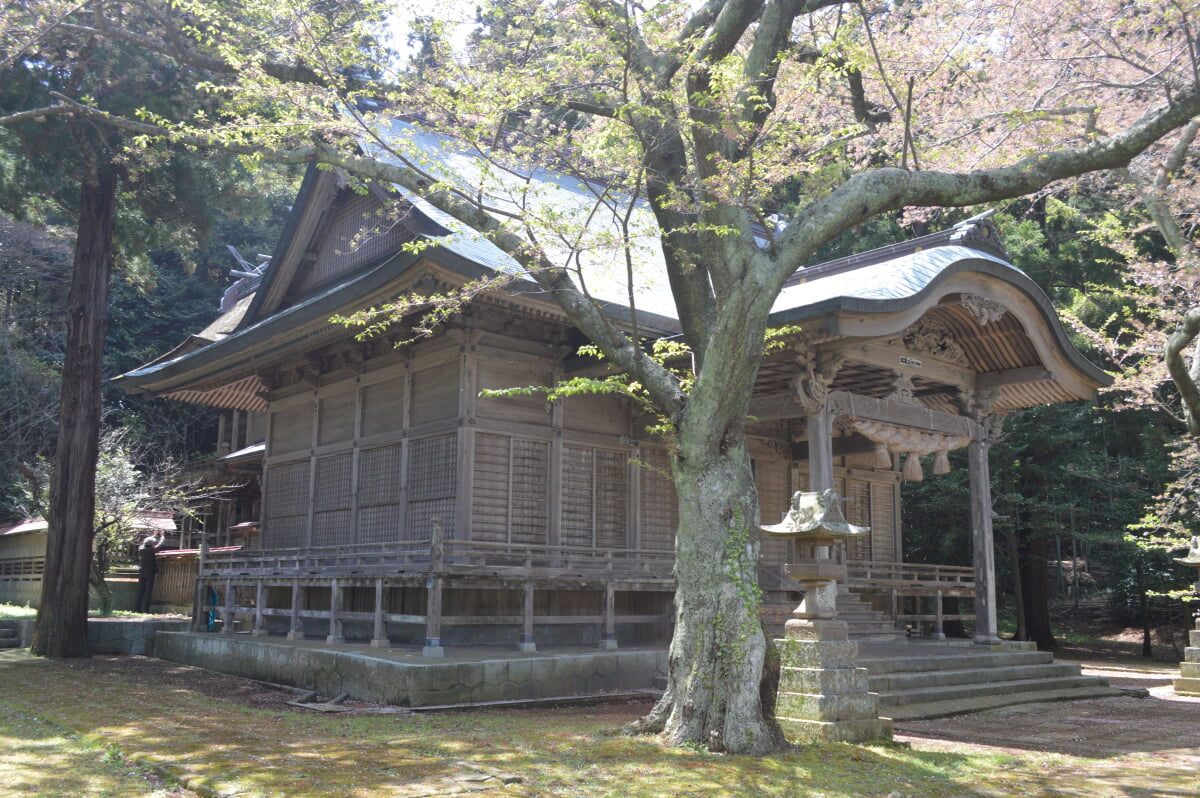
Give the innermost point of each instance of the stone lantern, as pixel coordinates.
(1188, 681)
(823, 695)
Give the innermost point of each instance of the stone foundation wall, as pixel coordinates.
(390, 680)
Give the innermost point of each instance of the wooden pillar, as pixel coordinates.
(379, 638)
(939, 631)
(526, 642)
(609, 640)
(820, 451)
(433, 618)
(335, 606)
(227, 626)
(981, 541)
(260, 598)
(295, 631)
(820, 478)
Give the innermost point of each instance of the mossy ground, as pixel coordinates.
(58, 719)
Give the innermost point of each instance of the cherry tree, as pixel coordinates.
(731, 138)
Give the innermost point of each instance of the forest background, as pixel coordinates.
(1112, 482)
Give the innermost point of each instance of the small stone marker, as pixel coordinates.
(1188, 681)
(823, 695)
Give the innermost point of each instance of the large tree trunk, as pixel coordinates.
(718, 651)
(717, 668)
(61, 627)
(1035, 581)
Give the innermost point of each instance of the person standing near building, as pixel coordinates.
(147, 568)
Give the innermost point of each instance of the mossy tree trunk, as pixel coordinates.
(718, 653)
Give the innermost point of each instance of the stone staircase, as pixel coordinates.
(865, 623)
(10, 636)
(923, 680)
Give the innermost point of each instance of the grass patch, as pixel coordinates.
(41, 760)
(15, 612)
(555, 752)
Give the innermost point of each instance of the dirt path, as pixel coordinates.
(1126, 746)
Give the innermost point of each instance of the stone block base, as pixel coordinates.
(823, 696)
(1186, 686)
(844, 731)
(1188, 681)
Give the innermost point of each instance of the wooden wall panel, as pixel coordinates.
(359, 232)
(335, 417)
(512, 489)
(435, 393)
(496, 371)
(595, 413)
(489, 510)
(383, 406)
(291, 428)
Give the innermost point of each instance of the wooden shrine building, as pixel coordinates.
(401, 506)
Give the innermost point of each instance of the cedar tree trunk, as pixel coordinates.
(1035, 580)
(61, 627)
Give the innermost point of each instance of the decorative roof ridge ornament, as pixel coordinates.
(816, 514)
(983, 309)
(980, 232)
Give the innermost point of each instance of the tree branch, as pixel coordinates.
(1185, 379)
(882, 190)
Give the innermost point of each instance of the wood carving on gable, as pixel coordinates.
(983, 410)
(810, 388)
(930, 337)
(902, 390)
(984, 310)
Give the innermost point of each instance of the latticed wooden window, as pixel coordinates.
(659, 508)
(530, 496)
(511, 491)
(380, 512)
(286, 506)
(883, 522)
(774, 499)
(432, 485)
(578, 496)
(858, 511)
(331, 502)
(595, 498)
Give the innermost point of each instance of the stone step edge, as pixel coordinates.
(956, 661)
(946, 709)
(968, 692)
(955, 678)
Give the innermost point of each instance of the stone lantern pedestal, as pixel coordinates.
(1188, 681)
(823, 694)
